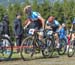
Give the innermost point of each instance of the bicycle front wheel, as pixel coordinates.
(62, 47)
(26, 48)
(6, 48)
(71, 49)
(48, 51)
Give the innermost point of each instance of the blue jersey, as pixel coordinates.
(55, 23)
(34, 16)
(62, 33)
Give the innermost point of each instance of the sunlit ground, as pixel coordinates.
(39, 60)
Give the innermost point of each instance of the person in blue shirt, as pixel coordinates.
(34, 19)
(53, 24)
(62, 32)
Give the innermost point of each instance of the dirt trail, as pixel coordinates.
(62, 60)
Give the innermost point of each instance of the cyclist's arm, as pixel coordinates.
(72, 27)
(42, 21)
(47, 26)
(27, 22)
(37, 15)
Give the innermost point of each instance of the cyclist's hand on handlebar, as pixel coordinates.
(16, 36)
(42, 29)
(24, 27)
(70, 30)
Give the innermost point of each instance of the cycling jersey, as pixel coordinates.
(55, 24)
(34, 16)
(62, 33)
(35, 22)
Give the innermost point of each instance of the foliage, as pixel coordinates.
(63, 11)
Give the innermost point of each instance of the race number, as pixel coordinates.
(31, 31)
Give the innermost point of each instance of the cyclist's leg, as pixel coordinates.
(56, 37)
(73, 36)
(39, 27)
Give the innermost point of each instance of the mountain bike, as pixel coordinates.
(32, 45)
(6, 48)
(71, 49)
(50, 40)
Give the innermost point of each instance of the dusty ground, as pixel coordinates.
(62, 60)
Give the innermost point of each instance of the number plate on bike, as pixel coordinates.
(31, 31)
(49, 32)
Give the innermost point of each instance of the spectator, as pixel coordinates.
(5, 25)
(18, 29)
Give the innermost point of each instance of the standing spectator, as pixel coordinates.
(18, 29)
(5, 25)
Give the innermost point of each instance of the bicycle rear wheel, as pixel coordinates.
(48, 51)
(26, 48)
(62, 48)
(6, 48)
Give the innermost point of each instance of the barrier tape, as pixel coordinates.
(15, 47)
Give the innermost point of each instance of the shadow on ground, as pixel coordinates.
(15, 59)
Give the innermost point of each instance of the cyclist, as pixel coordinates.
(62, 32)
(34, 19)
(73, 29)
(53, 24)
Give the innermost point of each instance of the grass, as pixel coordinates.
(62, 60)
(39, 60)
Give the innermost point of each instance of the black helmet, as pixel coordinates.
(5, 17)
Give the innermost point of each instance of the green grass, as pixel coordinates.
(62, 60)
(38, 59)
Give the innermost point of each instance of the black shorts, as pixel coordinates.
(55, 28)
(35, 24)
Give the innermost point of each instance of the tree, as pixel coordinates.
(2, 11)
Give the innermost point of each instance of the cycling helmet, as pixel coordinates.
(27, 8)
